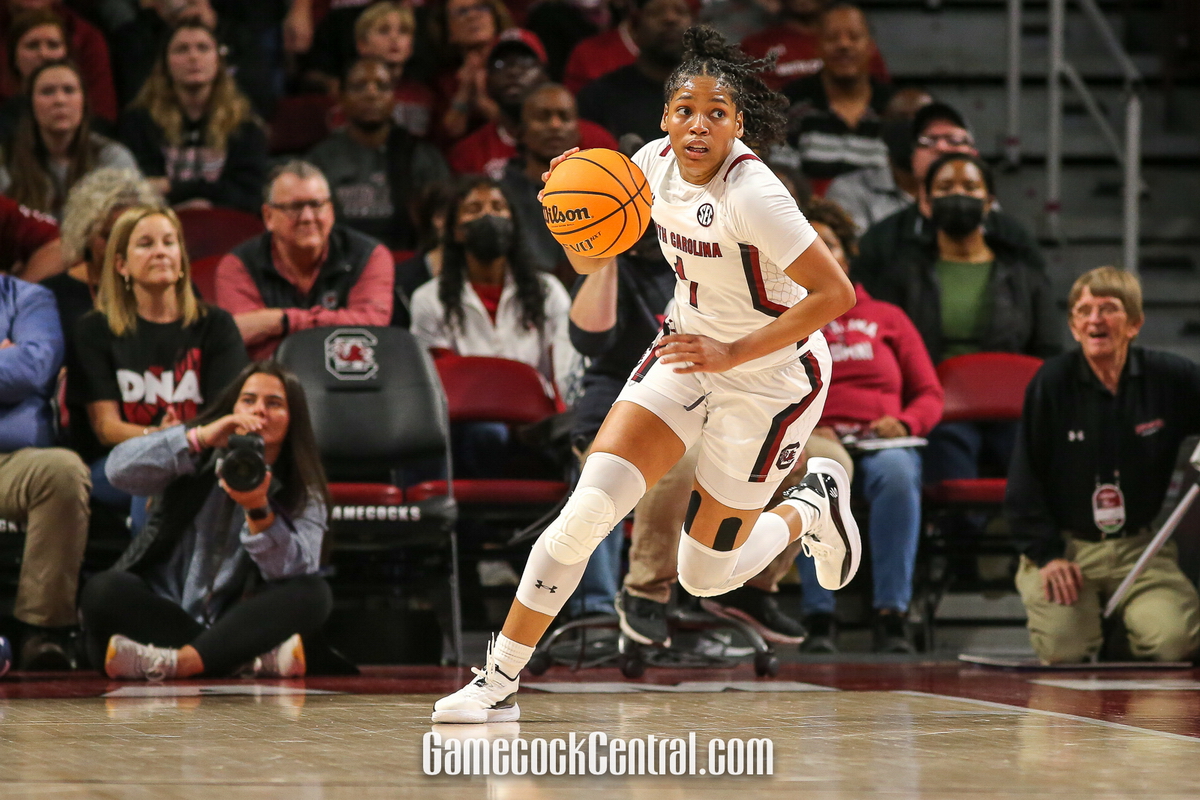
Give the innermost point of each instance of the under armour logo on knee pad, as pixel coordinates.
(540, 585)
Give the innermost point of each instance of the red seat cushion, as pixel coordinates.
(504, 491)
(366, 494)
(972, 491)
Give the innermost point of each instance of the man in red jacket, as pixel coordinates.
(883, 387)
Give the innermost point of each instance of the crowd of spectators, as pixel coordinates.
(417, 205)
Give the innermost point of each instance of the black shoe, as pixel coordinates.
(889, 634)
(42, 651)
(760, 611)
(642, 620)
(822, 634)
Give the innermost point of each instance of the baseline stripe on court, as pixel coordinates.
(784, 419)
(754, 280)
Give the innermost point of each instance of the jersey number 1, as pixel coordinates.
(691, 284)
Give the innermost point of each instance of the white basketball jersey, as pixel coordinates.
(729, 242)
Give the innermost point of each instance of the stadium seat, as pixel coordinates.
(204, 277)
(298, 123)
(215, 231)
(482, 389)
(379, 416)
(979, 387)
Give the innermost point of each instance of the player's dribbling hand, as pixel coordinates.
(554, 163)
(695, 353)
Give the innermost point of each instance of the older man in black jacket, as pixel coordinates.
(1099, 437)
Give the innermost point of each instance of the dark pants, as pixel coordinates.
(121, 602)
(969, 450)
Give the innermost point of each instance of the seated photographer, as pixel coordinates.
(883, 386)
(224, 574)
(1097, 445)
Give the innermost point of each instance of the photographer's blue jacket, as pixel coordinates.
(28, 369)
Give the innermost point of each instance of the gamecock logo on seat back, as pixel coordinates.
(350, 354)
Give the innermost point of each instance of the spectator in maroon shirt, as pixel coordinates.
(29, 243)
(883, 386)
(305, 271)
(87, 47)
(794, 39)
(516, 66)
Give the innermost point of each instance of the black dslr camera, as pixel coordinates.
(243, 468)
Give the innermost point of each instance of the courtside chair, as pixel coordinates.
(492, 511)
(381, 422)
(979, 387)
(485, 389)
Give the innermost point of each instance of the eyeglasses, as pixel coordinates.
(948, 139)
(1084, 310)
(467, 11)
(296, 208)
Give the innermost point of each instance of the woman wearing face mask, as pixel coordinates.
(489, 299)
(969, 293)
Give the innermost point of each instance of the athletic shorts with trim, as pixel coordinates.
(751, 426)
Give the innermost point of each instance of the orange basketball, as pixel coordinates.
(597, 203)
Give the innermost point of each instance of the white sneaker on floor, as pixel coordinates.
(488, 698)
(833, 542)
(285, 661)
(128, 660)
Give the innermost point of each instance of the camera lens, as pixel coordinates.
(244, 467)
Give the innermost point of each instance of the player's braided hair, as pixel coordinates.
(707, 53)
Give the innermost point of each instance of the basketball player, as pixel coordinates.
(740, 367)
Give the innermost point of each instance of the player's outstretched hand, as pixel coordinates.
(554, 163)
(695, 353)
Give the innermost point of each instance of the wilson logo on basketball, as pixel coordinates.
(555, 216)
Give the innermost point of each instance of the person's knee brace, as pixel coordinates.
(703, 571)
(608, 489)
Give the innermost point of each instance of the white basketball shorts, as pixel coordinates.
(751, 426)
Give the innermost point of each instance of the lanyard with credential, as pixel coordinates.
(1108, 501)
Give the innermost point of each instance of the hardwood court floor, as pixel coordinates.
(895, 731)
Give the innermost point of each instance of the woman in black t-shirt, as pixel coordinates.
(152, 354)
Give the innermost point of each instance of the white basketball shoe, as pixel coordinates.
(832, 542)
(488, 698)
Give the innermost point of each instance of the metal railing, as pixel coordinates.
(1126, 150)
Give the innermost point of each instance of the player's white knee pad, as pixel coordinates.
(703, 571)
(586, 519)
(608, 489)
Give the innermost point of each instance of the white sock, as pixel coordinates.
(808, 514)
(511, 657)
